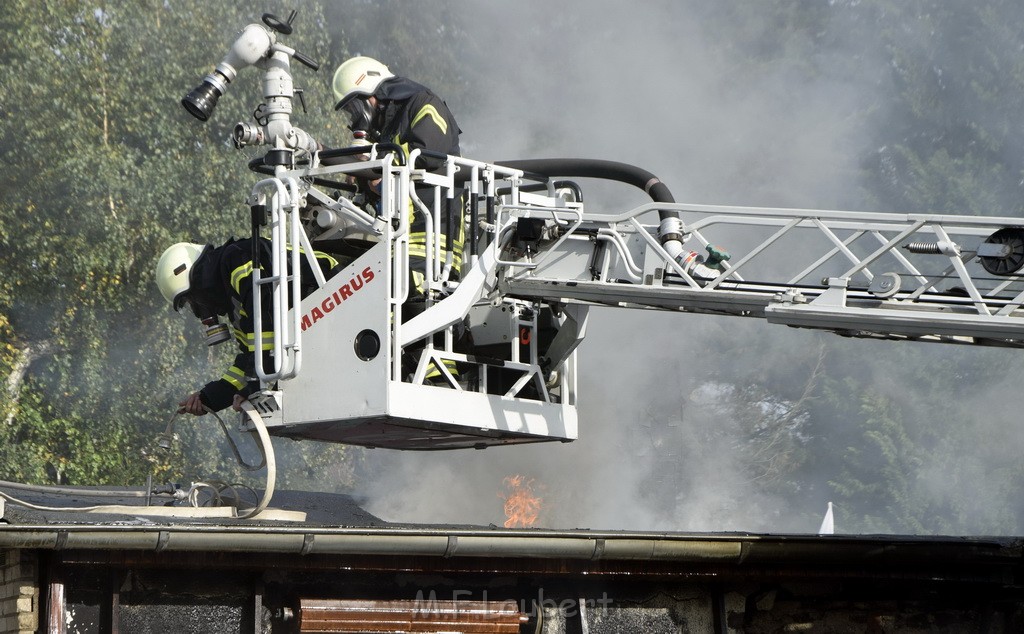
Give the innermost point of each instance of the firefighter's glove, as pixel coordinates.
(193, 404)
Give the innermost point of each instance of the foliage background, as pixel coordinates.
(105, 170)
(706, 423)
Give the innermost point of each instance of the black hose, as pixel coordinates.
(607, 170)
(337, 156)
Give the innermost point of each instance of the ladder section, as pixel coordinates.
(931, 277)
(278, 200)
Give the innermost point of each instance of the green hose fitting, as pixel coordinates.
(716, 255)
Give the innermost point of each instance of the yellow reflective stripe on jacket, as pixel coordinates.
(235, 377)
(418, 281)
(430, 111)
(240, 272)
(419, 248)
(320, 254)
(405, 152)
(248, 339)
(419, 239)
(434, 372)
(245, 270)
(426, 111)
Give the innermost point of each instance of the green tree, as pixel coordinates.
(104, 170)
(876, 476)
(949, 140)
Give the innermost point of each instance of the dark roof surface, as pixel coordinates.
(336, 524)
(321, 509)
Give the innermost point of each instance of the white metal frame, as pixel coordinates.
(861, 274)
(476, 412)
(811, 287)
(852, 273)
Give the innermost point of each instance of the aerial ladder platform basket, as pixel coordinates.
(487, 355)
(482, 351)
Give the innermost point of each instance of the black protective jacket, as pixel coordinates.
(413, 117)
(222, 278)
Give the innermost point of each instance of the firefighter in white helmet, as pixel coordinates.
(385, 108)
(216, 282)
(391, 109)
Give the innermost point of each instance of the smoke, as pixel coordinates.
(689, 91)
(671, 86)
(657, 450)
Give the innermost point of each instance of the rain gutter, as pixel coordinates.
(577, 545)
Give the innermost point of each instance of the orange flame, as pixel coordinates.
(521, 505)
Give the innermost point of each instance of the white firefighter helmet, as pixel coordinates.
(358, 76)
(173, 268)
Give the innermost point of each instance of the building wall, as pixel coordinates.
(19, 594)
(250, 594)
(218, 591)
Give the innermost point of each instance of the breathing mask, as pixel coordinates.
(361, 115)
(214, 332)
